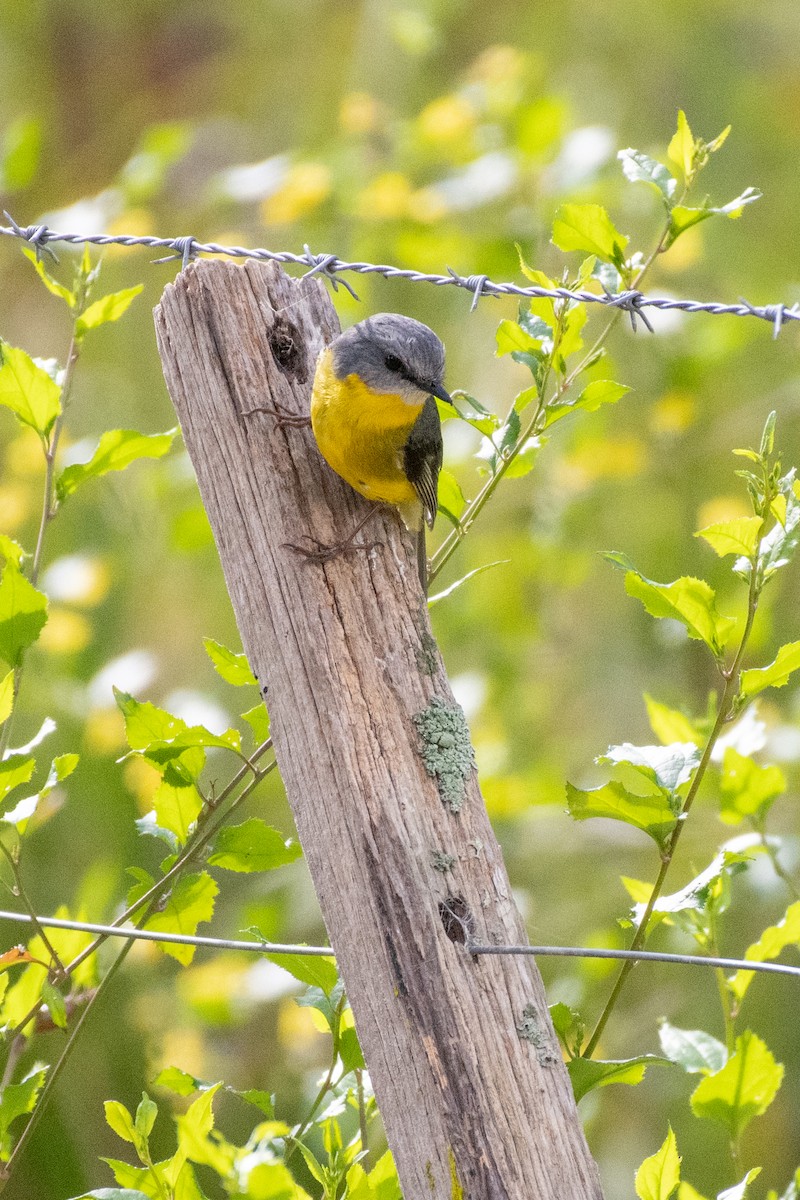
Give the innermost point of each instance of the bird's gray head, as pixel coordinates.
(392, 354)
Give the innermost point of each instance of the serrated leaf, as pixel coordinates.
(257, 718)
(640, 168)
(659, 1175)
(177, 806)
(743, 1089)
(233, 668)
(116, 450)
(261, 1100)
(23, 614)
(586, 1074)
(569, 1026)
(17, 1099)
(144, 723)
(683, 217)
(771, 944)
(698, 892)
(27, 389)
(14, 770)
(120, 1120)
(52, 285)
(666, 766)
(11, 551)
(570, 341)
(107, 308)
(775, 675)
(178, 1081)
(588, 227)
(510, 337)
(688, 600)
(252, 846)
(189, 903)
(668, 724)
(739, 536)
(693, 1049)
(451, 500)
(593, 396)
(314, 970)
(652, 814)
(746, 787)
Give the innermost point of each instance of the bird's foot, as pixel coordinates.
(283, 418)
(322, 553)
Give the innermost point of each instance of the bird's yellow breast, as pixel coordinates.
(361, 434)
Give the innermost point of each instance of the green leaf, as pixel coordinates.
(704, 889)
(668, 767)
(587, 1074)
(196, 1124)
(780, 543)
(690, 601)
(652, 814)
(739, 536)
(511, 337)
(189, 903)
(570, 341)
(178, 1081)
(11, 551)
(569, 1026)
(52, 285)
(668, 724)
(144, 723)
(682, 217)
(27, 389)
(350, 1050)
(146, 1114)
(55, 1003)
(6, 696)
(743, 1089)
(252, 846)
(23, 614)
(258, 720)
(681, 150)
(314, 970)
(234, 668)
(116, 450)
(448, 591)
(588, 227)
(693, 1049)
(177, 806)
(120, 1120)
(259, 1099)
(771, 944)
(17, 1099)
(593, 396)
(380, 1184)
(775, 675)
(451, 498)
(14, 770)
(107, 308)
(746, 787)
(640, 168)
(659, 1175)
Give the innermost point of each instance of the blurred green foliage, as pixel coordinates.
(425, 133)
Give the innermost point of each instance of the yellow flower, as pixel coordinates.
(305, 187)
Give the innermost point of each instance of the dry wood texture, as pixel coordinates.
(466, 1068)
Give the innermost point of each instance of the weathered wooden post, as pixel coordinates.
(375, 757)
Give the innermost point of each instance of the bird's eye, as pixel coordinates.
(392, 363)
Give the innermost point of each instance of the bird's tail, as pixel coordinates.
(422, 560)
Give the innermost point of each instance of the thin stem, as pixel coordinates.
(725, 713)
(473, 510)
(326, 1083)
(19, 887)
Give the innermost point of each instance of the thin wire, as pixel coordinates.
(152, 935)
(184, 249)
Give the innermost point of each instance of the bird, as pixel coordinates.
(375, 420)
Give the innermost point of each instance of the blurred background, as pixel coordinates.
(427, 133)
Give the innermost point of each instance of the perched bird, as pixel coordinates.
(375, 419)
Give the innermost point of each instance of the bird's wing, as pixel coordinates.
(422, 457)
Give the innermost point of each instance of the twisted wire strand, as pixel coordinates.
(184, 939)
(331, 267)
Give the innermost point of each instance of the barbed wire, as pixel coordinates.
(184, 249)
(259, 947)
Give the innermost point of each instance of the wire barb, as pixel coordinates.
(35, 235)
(186, 249)
(630, 302)
(326, 264)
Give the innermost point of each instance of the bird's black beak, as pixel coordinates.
(438, 391)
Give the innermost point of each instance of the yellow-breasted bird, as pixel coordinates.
(375, 419)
